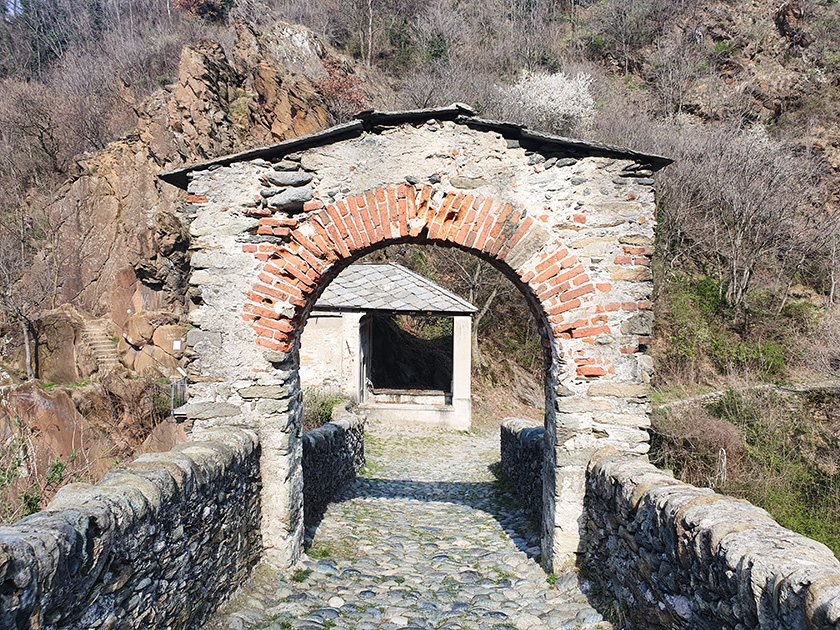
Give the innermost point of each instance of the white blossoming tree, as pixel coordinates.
(553, 102)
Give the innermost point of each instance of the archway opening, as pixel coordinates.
(379, 332)
(448, 315)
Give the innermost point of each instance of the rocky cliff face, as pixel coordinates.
(121, 244)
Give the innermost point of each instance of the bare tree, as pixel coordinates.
(22, 294)
(747, 200)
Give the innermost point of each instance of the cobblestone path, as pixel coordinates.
(425, 539)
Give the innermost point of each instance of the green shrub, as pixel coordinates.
(730, 353)
(724, 50)
(318, 405)
(30, 500)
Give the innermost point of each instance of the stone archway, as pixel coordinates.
(569, 223)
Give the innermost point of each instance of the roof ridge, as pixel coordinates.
(371, 121)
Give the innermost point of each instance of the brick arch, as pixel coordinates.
(317, 247)
(312, 248)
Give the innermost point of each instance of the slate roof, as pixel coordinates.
(389, 287)
(372, 121)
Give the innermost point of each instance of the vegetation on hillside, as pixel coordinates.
(779, 450)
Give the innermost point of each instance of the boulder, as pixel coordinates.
(57, 338)
(171, 339)
(138, 330)
(52, 415)
(163, 437)
(152, 360)
(127, 353)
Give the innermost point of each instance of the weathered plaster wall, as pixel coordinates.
(322, 360)
(676, 556)
(523, 455)
(574, 233)
(158, 543)
(332, 457)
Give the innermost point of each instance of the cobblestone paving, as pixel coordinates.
(425, 539)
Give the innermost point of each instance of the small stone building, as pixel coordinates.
(351, 345)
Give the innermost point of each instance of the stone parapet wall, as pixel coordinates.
(158, 543)
(677, 556)
(523, 452)
(332, 457)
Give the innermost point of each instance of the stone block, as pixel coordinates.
(196, 336)
(206, 410)
(639, 324)
(630, 274)
(271, 406)
(623, 420)
(288, 178)
(265, 391)
(581, 405)
(638, 240)
(291, 199)
(202, 277)
(621, 390)
(230, 227)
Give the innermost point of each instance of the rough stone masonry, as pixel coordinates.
(156, 544)
(671, 555)
(570, 223)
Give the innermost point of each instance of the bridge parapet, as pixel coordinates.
(158, 543)
(677, 556)
(333, 454)
(523, 455)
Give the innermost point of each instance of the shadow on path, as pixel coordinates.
(490, 497)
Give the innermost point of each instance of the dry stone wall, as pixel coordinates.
(523, 454)
(570, 224)
(158, 543)
(333, 455)
(677, 556)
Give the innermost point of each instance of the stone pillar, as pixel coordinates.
(279, 409)
(351, 356)
(461, 368)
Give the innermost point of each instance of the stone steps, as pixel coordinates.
(100, 344)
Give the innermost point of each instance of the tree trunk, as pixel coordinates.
(370, 33)
(27, 343)
(833, 269)
(477, 360)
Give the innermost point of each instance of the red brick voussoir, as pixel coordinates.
(315, 247)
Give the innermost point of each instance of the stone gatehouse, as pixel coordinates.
(351, 345)
(570, 223)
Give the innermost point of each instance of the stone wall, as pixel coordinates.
(677, 556)
(332, 457)
(158, 543)
(523, 452)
